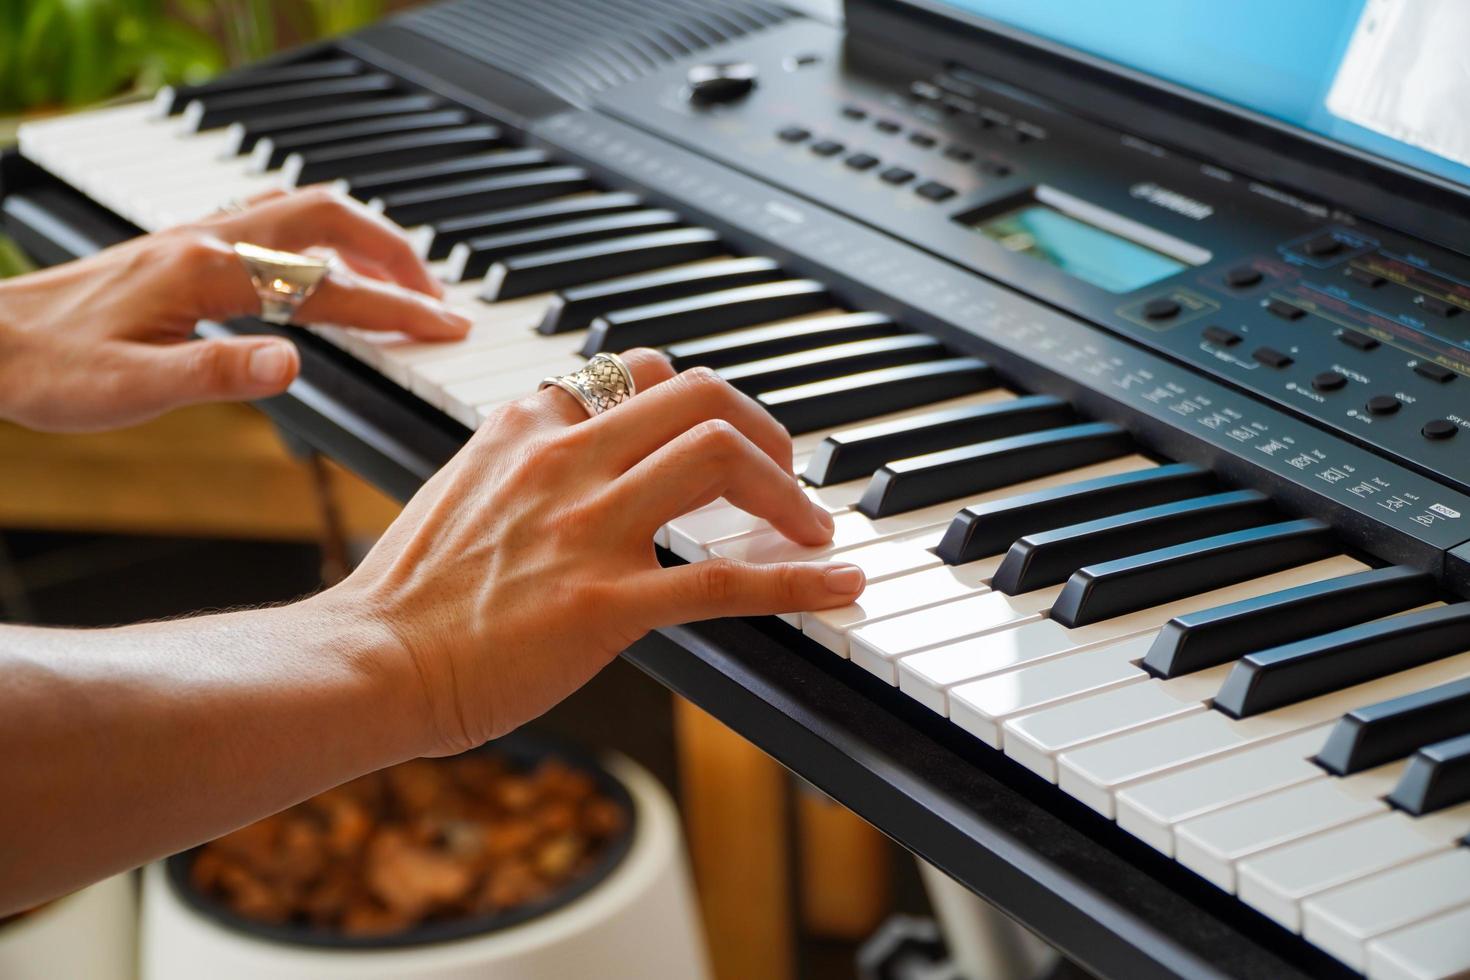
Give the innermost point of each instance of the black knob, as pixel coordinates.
(1322, 245)
(1439, 429)
(1242, 276)
(1329, 381)
(1160, 309)
(1383, 405)
(718, 82)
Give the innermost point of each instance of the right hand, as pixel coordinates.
(527, 563)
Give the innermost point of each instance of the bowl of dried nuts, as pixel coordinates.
(464, 854)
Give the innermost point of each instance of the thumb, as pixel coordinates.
(721, 587)
(224, 369)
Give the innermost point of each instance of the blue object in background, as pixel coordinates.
(1276, 57)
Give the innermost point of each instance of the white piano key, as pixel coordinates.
(465, 401)
(1212, 844)
(808, 441)
(1035, 739)
(1150, 809)
(1093, 771)
(433, 379)
(903, 594)
(980, 705)
(1435, 949)
(1342, 921)
(876, 646)
(854, 529)
(930, 675)
(1277, 881)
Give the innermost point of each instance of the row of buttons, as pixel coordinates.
(1328, 381)
(930, 190)
(927, 141)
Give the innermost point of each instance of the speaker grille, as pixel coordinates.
(574, 48)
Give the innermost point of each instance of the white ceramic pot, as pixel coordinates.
(638, 923)
(92, 933)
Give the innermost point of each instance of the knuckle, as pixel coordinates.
(717, 439)
(705, 383)
(719, 579)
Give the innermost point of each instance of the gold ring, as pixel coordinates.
(282, 280)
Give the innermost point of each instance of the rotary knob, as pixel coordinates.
(720, 82)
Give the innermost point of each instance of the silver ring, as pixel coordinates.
(282, 280)
(601, 384)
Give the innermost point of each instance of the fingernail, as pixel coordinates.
(269, 364)
(823, 518)
(844, 579)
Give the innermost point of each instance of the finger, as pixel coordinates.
(319, 216)
(721, 587)
(348, 300)
(659, 414)
(713, 460)
(225, 369)
(648, 367)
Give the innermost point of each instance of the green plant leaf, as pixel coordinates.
(171, 52)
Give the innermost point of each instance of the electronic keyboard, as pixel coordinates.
(1165, 649)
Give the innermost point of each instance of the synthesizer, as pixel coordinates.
(1153, 462)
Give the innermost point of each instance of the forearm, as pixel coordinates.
(123, 745)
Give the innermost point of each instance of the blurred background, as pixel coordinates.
(211, 508)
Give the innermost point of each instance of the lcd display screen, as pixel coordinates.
(1080, 249)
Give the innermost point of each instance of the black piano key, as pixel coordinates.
(842, 401)
(988, 529)
(657, 324)
(1438, 776)
(213, 111)
(172, 99)
(449, 232)
(380, 183)
(918, 481)
(317, 144)
(1296, 671)
(405, 149)
(247, 135)
(820, 363)
(1217, 636)
(523, 275)
(1050, 557)
(1379, 733)
(576, 307)
(418, 205)
(473, 258)
(748, 344)
(855, 453)
(1152, 578)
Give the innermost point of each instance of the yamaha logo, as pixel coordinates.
(1172, 201)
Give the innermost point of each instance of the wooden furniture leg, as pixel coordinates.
(845, 871)
(736, 812)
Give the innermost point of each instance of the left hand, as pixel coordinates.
(105, 341)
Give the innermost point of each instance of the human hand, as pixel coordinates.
(105, 341)
(526, 564)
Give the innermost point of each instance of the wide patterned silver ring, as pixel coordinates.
(603, 383)
(282, 280)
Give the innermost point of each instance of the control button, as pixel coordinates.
(1330, 381)
(1242, 276)
(927, 91)
(1285, 310)
(721, 81)
(888, 126)
(932, 190)
(1221, 337)
(1162, 308)
(1359, 340)
(794, 134)
(995, 168)
(1383, 405)
(959, 153)
(827, 148)
(922, 139)
(1370, 279)
(1437, 429)
(1434, 372)
(854, 112)
(806, 60)
(896, 175)
(1271, 357)
(1437, 306)
(1322, 246)
(1015, 135)
(861, 161)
